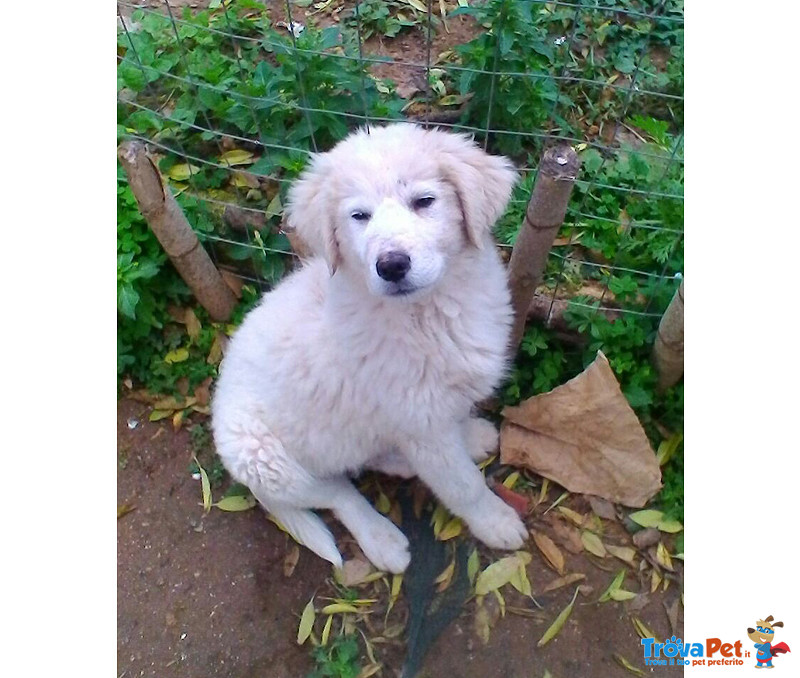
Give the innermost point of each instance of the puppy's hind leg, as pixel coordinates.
(257, 459)
(287, 490)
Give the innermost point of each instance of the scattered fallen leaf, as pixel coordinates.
(179, 355)
(624, 663)
(566, 580)
(444, 579)
(124, 509)
(206, 487)
(584, 436)
(603, 508)
(559, 622)
(326, 631)
(500, 572)
(383, 504)
(550, 551)
(642, 629)
(236, 503)
(624, 553)
(646, 538)
(615, 585)
(290, 561)
(591, 542)
(236, 156)
(451, 529)
(647, 518)
(655, 581)
(663, 558)
(306, 622)
(182, 171)
(193, 325)
(573, 516)
(473, 564)
(354, 572)
(515, 500)
(621, 594)
(338, 608)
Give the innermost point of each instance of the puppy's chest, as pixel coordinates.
(424, 359)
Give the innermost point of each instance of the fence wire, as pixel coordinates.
(232, 97)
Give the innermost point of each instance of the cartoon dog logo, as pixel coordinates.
(762, 636)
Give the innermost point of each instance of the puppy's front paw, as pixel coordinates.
(482, 439)
(497, 525)
(386, 546)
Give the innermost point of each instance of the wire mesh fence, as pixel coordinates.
(232, 98)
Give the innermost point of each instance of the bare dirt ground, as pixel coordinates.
(207, 596)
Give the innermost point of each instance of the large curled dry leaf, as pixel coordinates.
(584, 436)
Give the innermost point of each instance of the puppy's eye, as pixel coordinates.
(422, 203)
(361, 216)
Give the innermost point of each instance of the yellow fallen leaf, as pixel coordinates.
(624, 663)
(615, 585)
(179, 355)
(621, 594)
(670, 526)
(559, 622)
(662, 556)
(326, 631)
(236, 156)
(370, 670)
(511, 480)
(306, 622)
(500, 572)
(338, 608)
(206, 487)
(383, 504)
(473, 563)
(573, 516)
(647, 518)
(655, 581)
(158, 415)
(643, 630)
(124, 509)
(624, 553)
(521, 582)
(236, 503)
(451, 529)
(182, 171)
(444, 579)
(591, 542)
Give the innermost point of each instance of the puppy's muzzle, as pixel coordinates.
(393, 266)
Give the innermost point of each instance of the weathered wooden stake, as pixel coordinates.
(668, 348)
(167, 221)
(544, 216)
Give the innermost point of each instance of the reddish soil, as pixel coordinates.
(206, 595)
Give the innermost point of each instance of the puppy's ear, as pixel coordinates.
(482, 182)
(311, 209)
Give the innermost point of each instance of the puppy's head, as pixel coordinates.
(396, 204)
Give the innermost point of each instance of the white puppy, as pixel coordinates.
(373, 354)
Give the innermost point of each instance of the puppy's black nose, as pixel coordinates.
(393, 266)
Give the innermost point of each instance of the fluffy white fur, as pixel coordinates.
(339, 369)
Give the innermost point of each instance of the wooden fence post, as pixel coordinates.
(668, 347)
(544, 216)
(180, 242)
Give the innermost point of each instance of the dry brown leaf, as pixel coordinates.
(645, 538)
(290, 560)
(566, 580)
(568, 535)
(603, 508)
(354, 572)
(584, 436)
(550, 551)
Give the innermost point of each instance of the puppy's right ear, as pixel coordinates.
(311, 209)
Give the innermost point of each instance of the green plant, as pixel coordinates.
(383, 17)
(339, 659)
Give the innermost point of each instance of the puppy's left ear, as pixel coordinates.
(482, 182)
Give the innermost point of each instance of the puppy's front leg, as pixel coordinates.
(444, 465)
